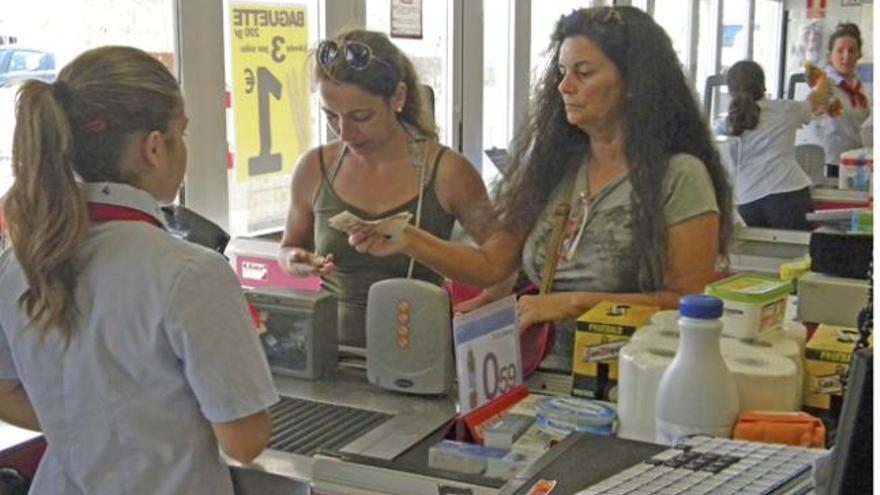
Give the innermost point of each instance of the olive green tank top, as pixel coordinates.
(356, 272)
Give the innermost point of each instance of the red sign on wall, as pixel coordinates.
(816, 9)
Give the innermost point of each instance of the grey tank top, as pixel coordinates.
(356, 272)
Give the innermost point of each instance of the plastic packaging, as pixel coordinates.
(559, 416)
(753, 304)
(697, 393)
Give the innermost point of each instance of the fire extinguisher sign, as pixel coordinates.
(816, 9)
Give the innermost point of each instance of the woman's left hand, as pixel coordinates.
(539, 309)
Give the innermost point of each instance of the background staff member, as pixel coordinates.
(770, 188)
(373, 102)
(845, 132)
(651, 207)
(130, 349)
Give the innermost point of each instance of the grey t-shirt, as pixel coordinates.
(605, 257)
(165, 346)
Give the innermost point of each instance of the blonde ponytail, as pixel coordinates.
(45, 209)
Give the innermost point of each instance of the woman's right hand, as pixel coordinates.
(299, 262)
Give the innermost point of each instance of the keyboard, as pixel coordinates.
(717, 466)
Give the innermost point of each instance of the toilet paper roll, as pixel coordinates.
(774, 342)
(766, 381)
(659, 334)
(641, 365)
(796, 331)
(667, 318)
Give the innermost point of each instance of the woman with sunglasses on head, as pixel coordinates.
(844, 132)
(130, 349)
(614, 119)
(386, 161)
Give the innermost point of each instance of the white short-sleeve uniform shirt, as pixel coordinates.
(762, 159)
(842, 133)
(164, 347)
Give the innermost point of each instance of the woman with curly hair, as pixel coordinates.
(650, 203)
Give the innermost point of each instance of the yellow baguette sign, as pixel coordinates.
(270, 87)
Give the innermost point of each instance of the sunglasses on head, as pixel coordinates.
(357, 54)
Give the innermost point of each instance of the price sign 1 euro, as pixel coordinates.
(487, 357)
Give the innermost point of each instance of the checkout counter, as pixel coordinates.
(345, 435)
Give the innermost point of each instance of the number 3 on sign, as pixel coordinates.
(488, 362)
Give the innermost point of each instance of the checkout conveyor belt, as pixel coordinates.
(344, 413)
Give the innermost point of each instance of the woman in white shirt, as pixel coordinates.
(844, 132)
(770, 188)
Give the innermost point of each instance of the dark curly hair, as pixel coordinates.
(745, 81)
(661, 118)
(845, 29)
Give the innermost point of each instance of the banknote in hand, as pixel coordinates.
(389, 226)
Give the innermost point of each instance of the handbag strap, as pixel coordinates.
(560, 216)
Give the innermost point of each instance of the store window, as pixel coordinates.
(497, 81)
(674, 17)
(430, 53)
(47, 34)
(768, 39)
(707, 60)
(734, 33)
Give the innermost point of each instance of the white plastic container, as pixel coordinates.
(697, 393)
(753, 304)
(856, 167)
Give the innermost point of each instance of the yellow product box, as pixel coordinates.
(601, 332)
(827, 357)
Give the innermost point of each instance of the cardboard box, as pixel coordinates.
(601, 332)
(828, 354)
(506, 430)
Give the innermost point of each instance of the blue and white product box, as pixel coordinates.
(487, 359)
(462, 457)
(506, 430)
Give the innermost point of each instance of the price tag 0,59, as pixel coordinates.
(487, 353)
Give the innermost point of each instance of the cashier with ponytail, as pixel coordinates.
(770, 189)
(131, 350)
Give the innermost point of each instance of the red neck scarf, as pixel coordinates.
(856, 93)
(102, 212)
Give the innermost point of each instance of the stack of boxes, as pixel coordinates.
(828, 355)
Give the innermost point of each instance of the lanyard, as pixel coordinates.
(103, 212)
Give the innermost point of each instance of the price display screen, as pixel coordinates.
(487, 357)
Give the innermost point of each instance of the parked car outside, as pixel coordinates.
(18, 63)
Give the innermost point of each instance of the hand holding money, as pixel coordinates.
(301, 263)
(389, 227)
(381, 237)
